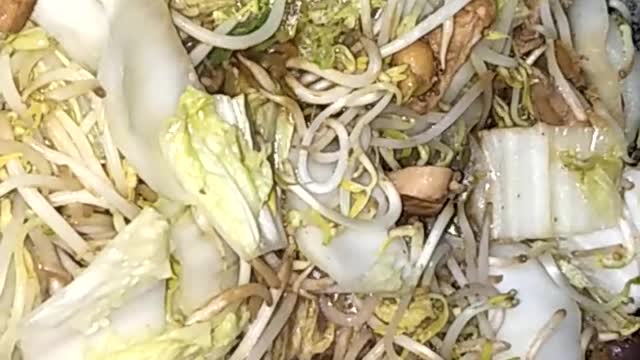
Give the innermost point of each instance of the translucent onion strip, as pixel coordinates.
(449, 9)
(340, 78)
(436, 130)
(231, 42)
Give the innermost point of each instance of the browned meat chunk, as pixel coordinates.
(548, 105)
(14, 14)
(424, 189)
(420, 59)
(469, 23)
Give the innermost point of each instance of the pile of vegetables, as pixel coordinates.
(346, 179)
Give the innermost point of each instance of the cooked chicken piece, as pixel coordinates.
(421, 61)
(469, 23)
(424, 189)
(14, 14)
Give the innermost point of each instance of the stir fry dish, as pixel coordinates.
(319, 179)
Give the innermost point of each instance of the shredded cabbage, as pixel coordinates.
(209, 145)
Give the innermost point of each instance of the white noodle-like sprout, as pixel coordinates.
(563, 85)
(334, 180)
(62, 198)
(436, 130)
(367, 118)
(63, 74)
(200, 52)
(113, 161)
(471, 311)
(260, 74)
(447, 34)
(564, 30)
(72, 90)
(458, 82)
(277, 322)
(358, 343)
(434, 20)
(545, 332)
(386, 21)
(621, 8)
(547, 20)
(365, 18)
(483, 246)
(43, 181)
(340, 78)
(492, 57)
(90, 180)
(231, 42)
(8, 87)
(10, 235)
(470, 246)
(417, 348)
(322, 97)
(81, 143)
(292, 106)
(559, 279)
(585, 339)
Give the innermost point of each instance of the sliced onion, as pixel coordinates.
(231, 42)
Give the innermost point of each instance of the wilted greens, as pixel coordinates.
(346, 179)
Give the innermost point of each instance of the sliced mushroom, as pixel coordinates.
(469, 23)
(424, 189)
(14, 14)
